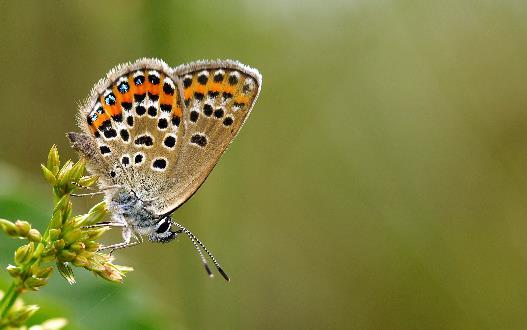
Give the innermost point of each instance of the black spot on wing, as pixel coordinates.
(202, 79)
(153, 97)
(170, 141)
(154, 79)
(166, 107)
(199, 139)
(168, 89)
(152, 111)
(110, 133)
(144, 140)
(139, 97)
(194, 115)
(140, 110)
(159, 163)
(105, 150)
(124, 135)
(207, 110)
(162, 123)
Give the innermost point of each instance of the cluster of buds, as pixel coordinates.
(68, 241)
(73, 240)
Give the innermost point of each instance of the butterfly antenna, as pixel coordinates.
(196, 241)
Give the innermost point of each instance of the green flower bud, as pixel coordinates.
(53, 163)
(48, 175)
(63, 176)
(49, 257)
(72, 236)
(34, 283)
(54, 234)
(22, 227)
(77, 170)
(77, 246)
(9, 228)
(14, 271)
(81, 261)
(44, 272)
(66, 255)
(59, 244)
(24, 253)
(91, 246)
(34, 235)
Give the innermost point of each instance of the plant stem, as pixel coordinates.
(8, 300)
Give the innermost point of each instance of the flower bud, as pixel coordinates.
(77, 246)
(34, 235)
(53, 163)
(72, 236)
(54, 234)
(66, 255)
(14, 271)
(77, 170)
(22, 227)
(63, 176)
(81, 261)
(91, 246)
(59, 244)
(48, 175)
(9, 228)
(24, 253)
(44, 272)
(34, 283)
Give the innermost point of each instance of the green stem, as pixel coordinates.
(9, 299)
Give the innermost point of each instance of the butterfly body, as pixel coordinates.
(155, 133)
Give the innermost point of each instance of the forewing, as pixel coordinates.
(218, 96)
(160, 131)
(130, 125)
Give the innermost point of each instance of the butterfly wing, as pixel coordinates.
(159, 131)
(218, 96)
(129, 124)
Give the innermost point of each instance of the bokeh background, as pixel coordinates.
(380, 182)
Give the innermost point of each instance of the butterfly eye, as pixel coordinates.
(163, 226)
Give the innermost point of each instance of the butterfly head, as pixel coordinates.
(162, 232)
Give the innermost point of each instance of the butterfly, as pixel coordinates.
(153, 134)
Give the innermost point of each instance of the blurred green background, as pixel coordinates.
(379, 183)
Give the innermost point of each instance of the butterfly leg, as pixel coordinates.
(122, 245)
(88, 194)
(105, 224)
(100, 192)
(128, 235)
